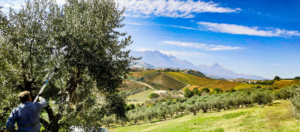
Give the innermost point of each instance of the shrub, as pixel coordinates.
(153, 95)
(258, 87)
(187, 93)
(232, 90)
(206, 90)
(217, 91)
(257, 97)
(195, 91)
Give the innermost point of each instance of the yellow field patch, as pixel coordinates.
(247, 85)
(224, 85)
(190, 79)
(284, 83)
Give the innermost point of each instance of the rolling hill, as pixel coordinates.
(140, 74)
(130, 85)
(163, 82)
(190, 79)
(284, 83)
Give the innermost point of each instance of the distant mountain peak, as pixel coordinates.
(157, 59)
(215, 64)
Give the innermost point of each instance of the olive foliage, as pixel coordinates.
(80, 38)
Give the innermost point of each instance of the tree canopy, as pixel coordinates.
(81, 38)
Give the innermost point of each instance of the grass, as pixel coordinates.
(284, 83)
(190, 79)
(130, 85)
(247, 85)
(140, 97)
(274, 118)
(141, 74)
(163, 82)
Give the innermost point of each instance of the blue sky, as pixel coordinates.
(250, 37)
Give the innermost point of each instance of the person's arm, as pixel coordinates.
(10, 124)
(41, 104)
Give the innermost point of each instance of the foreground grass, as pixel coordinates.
(275, 118)
(140, 97)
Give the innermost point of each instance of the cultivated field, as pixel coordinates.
(274, 118)
(283, 83)
(163, 82)
(224, 85)
(247, 85)
(190, 79)
(130, 85)
(141, 74)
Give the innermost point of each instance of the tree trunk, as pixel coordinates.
(53, 126)
(204, 110)
(194, 113)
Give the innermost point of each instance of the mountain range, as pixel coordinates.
(158, 59)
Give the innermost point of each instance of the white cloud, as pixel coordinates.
(201, 46)
(276, 64)
(171, 8)
(176, 53)
(254, 31)
(130, 23)
(181, 27)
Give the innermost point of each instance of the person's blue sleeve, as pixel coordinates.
(10, 124)
(41, 104)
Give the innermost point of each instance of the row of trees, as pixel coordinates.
(217, 102)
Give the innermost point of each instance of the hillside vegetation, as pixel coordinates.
(190, 79)
(284, 83)
(140, 97)
(276, 117)
(140, 74)
(224, 85)
(247, 85)
(130, 85)
(163, 82)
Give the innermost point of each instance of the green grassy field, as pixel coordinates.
(140, 97)
(190, 79)
(274, 118)
(163, 82)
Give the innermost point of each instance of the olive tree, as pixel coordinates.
(81, 37)
(296, 102)
(162, 112)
